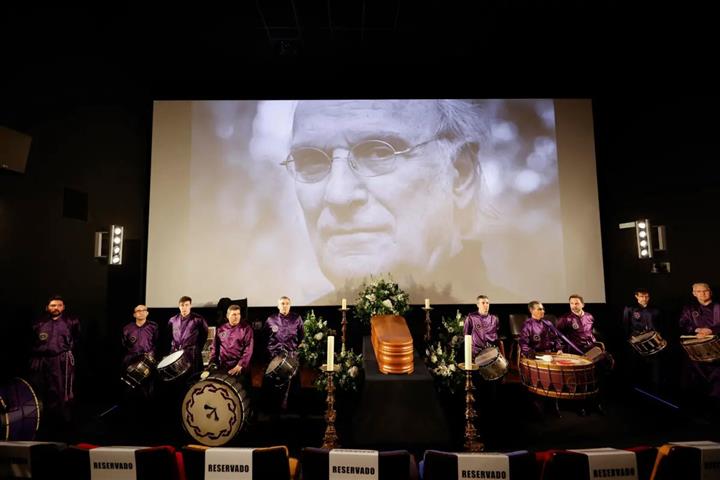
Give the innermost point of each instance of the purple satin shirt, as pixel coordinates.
(139, 340)
(578, 329)
(483, 329)
(285, 332)
(700, 316)
(535, 336)
(189, 334)
(53, 337)
(236, 346)
(638, 319)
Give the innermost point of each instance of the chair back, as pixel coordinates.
(269, 462)
(438, 465)
(517, 320)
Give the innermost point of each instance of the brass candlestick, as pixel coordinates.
(472, 439)
(330, 440)
(427, 336)
(344, 327)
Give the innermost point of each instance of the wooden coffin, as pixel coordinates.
(392, 343)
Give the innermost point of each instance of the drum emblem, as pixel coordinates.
(636, 315)
(132, 339)
(536, 338)
(274, 328)
(43, 336)
(223, 335)
(695, 314)
(575, 325)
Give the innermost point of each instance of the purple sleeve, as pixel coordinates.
(524, 340)
(467, 327)
(686, 321)
(247, 348)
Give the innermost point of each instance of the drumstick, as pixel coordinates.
(688, 336)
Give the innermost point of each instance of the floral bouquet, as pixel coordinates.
(350, 376)
(452, 333)
(312, 349)
(441, 363)
(380, 297)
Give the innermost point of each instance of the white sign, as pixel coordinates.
(228, 463)
(113, 463)
(346, 464)
(610, 463)
(709, 458)
(483, 465)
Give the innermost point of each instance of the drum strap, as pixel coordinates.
(565, 339)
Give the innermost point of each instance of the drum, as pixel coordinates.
(282, 368)
(702, 349)
(492, 363)
(139, 371)
(648, 343)
(173, 366)
(215, 409)
(564, 376)
(19, 410)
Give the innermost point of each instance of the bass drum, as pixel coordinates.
(215, 409)
(19, 410)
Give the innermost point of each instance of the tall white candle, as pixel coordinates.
(344, 303)
(427, 303)
(330, 353)
(468, 351)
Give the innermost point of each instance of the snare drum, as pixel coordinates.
(215, 409)
(282, 368)
(139, 371)
(19, 410)
(492, 363)
(702, 349)
(564, 376)
(173, 366)
(648, 343)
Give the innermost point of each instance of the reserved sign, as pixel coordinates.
(610, 463)
(709, 458)
(228, 463)
(113, 463)
(483, 465)
(347, 464)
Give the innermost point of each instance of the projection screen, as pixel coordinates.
(450, 198)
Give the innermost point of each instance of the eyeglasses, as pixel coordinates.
(141, 310)
(369, 158)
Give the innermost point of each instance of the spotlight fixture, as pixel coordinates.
(109, 245)
(648, 238)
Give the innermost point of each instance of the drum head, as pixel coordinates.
(487, 355)
(214, 410)
(700, 340)
(274, 364)
(20, 411)
(642, 337)
(170, 359)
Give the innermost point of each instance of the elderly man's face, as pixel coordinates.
(399, 222)
(702, 293)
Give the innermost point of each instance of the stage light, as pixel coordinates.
(109, 245)
(644, 239)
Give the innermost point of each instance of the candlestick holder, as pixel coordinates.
(330, 440)
(344, 327)
(427, 336)
(472, 439)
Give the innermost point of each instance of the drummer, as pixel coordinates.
(482, 326)
(702, 318)
(284, 332)
(577, 325)
(538, 334)
(232, 347)
(139, 337)
(649, 372)
(189, 332)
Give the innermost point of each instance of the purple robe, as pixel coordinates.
(638, 319)
(703, 316)
(52, 363)
(189, 334)
(285, 333)
(236, 346)
(139, 340)
(578, 329)
(536, 336)
(483, 329)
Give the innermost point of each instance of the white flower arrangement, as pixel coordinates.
(312, 349)
(380, 297)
